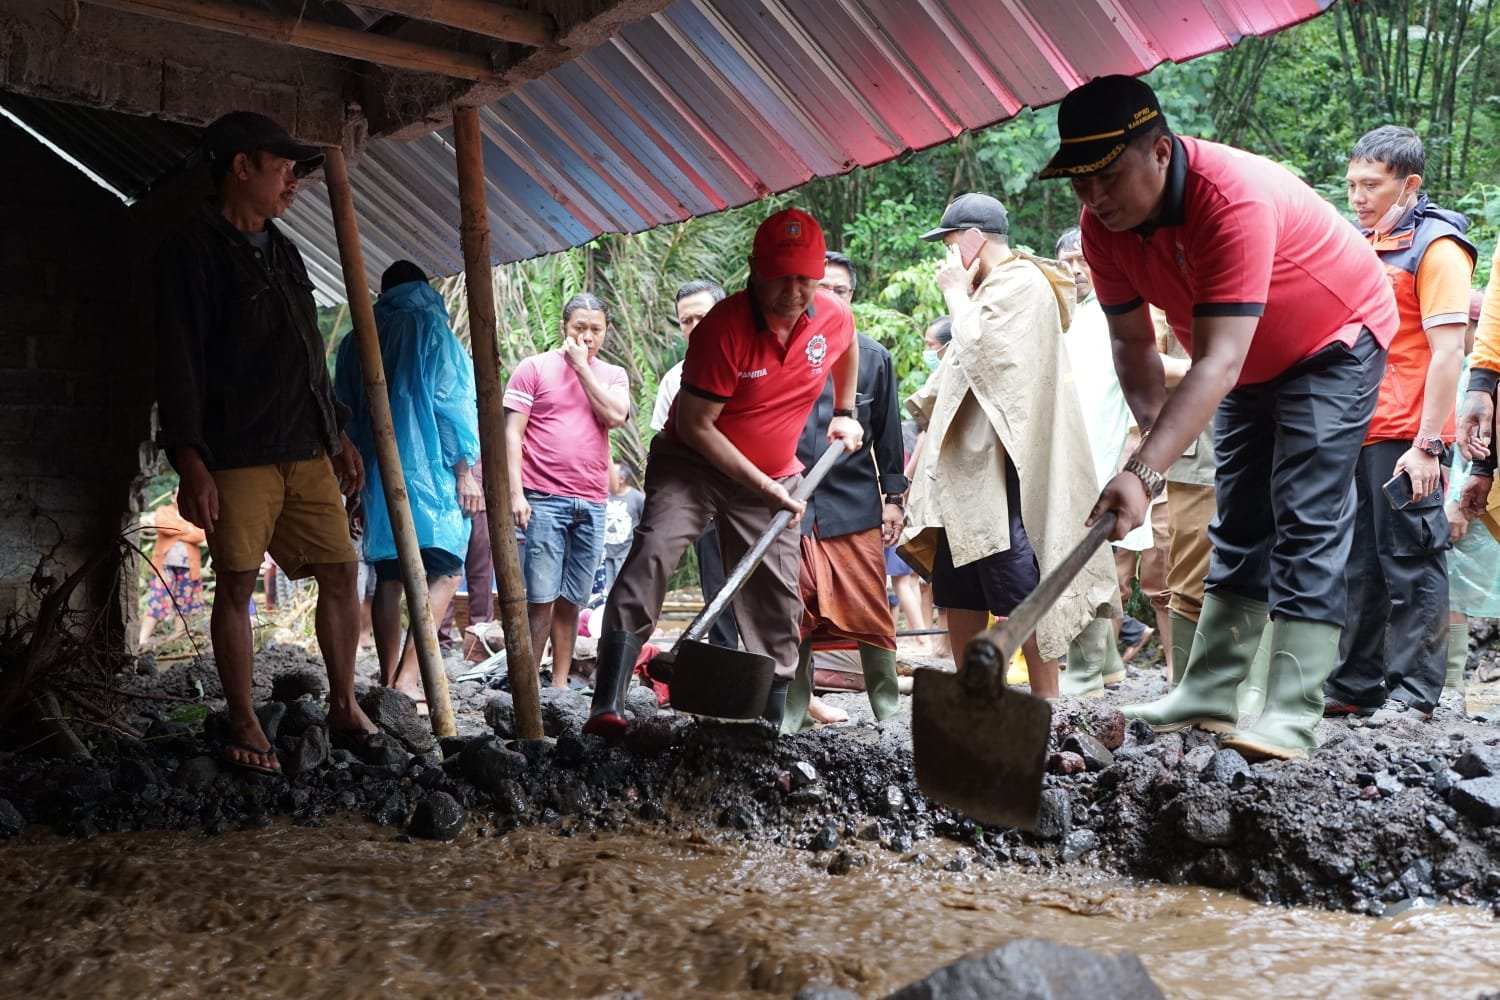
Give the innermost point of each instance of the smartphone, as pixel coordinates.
(970, 244)
(1397, 490)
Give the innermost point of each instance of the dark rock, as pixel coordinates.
(1479, 762)
(397, 714)
(899, 843)
(136, 775)
(300, 714)
(802, 773)
(1066, 762)
(500, 715)
(197, 774)
(1105, 723)
(957, 864)
(563, 711)
(573, 797)
(1140, 732)
(1478, 799)
(1096, 756)
(12, 823)
(1055, 817)
(846, 861)
(438, 817)
(1387, 783)
(1077, 844)
(657, 734)
(306, 753)
(538, 752)
(380, 750)
(1208, 824)
(895, 800)
(640, 702)
(511, 799)
(490, 766)
(825, 839)
(870, 831)
(297, 684)
(1037, 970)
(1226, 766)
(1197, 758)
(391, 811)
(146, 665)
(1444, 780)
(573, 749)
(270, 715)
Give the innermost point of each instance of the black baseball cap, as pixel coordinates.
(248, 132)
(971, 211)
(1096, 121)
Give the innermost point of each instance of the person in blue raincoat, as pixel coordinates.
(430, 380)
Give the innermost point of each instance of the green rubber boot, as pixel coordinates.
(1250, 699)
(1223, 646)
(1458, 656)
(799, 694)
(1302, 656)
(1088, 660)
(882, 686)
(1183, 628)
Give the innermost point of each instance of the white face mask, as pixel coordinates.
(930, 359)
(1392, 215)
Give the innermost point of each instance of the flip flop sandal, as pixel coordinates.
(267, 751)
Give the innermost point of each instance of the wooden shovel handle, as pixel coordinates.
(990, 652)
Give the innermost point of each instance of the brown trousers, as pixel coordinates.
(1190, 509)
(683, 492)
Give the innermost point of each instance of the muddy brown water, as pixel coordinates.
(346, 911)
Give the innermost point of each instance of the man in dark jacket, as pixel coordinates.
(853, 514)
(249, 420)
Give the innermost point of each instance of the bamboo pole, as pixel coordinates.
(475, 226)
(300, 32)
(418, 606)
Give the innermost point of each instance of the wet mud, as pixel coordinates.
(1378, 821)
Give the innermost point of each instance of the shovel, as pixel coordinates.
(728, 683)
(980, 746)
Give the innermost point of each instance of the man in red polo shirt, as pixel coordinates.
(1287, 314)
(755, 366)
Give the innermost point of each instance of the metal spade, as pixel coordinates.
(980, 746)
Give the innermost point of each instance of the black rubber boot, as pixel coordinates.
(613, 668)
(775, 708)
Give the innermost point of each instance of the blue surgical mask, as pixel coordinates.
(930, 359)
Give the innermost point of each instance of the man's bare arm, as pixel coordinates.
(697, 428)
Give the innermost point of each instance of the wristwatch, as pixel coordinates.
(1431, 445)
(844, 413)
(1154, 481)
(896, 500)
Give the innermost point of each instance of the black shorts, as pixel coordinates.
(997, 582)
(437, 562)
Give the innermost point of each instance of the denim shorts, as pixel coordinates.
(564, 543)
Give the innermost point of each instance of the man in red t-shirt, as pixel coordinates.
(755, 366)
(1287, 314)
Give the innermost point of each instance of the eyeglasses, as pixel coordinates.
(842, 291)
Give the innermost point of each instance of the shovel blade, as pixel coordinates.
(980, 747)
(718, 682)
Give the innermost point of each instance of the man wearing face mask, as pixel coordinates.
(1001, 485)
(1394, 648)
(754, 368)
(1286, 312)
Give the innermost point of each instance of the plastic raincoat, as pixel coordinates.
(430, 380)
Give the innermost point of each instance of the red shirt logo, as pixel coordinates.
(817, 350)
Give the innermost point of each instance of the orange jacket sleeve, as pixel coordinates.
(1484, 362)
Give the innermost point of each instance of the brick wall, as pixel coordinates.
(74, 369)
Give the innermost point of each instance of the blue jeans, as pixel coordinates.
(564, 542)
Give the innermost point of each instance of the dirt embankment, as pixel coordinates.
(1375, 821)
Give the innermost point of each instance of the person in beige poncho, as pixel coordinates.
(1005, 478)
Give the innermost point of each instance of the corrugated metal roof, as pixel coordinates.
(714, 103)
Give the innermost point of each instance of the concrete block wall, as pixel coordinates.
(72, 409)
